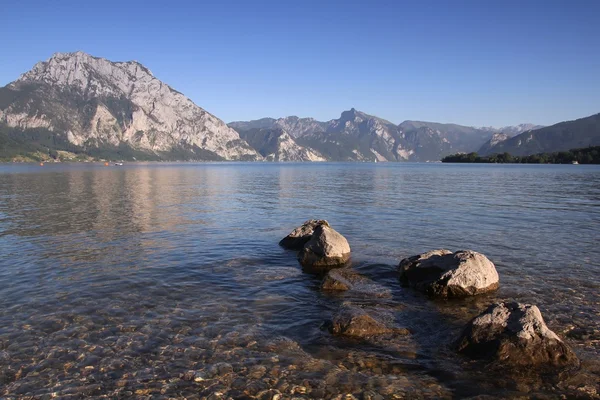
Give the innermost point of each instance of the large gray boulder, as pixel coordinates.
(515, 334)
(441, 273)
(356, 322)
(301, 235)
(326, 249)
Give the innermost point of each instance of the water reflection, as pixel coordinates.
(167, 280)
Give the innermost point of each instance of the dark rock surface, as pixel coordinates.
(515, 334)
(301, 235)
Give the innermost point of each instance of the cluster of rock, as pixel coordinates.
(509, 333)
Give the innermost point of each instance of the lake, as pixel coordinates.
(167, 280)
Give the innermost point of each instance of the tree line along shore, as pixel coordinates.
(587, 155)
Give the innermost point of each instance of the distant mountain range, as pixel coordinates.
(580, 133)
(76, 105)
(357, 136)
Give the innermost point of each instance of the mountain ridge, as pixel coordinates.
(566, 135)
(359, 136)
(89, 105)
(96, 103)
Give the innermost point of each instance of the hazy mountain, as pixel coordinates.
(495, 139)
(563, 136)
(452, 137)
(263, 123)
(357, 136)
(277, 145)
(517, 129)
(293, 125)
(87, 104)
(511, 130)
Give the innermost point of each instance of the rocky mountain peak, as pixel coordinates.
(95, 102)
(94, 75)
(352, 115)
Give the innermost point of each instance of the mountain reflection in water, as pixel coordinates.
(166, 280)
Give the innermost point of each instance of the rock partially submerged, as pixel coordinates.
(301, 235)
(338, 279)
(346, 279)
(326, 249)
(515, 334)
(442, 273)
(356, 322)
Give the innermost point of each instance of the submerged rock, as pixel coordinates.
(301, 235)
(442, 273)
(338, 279)
(346, 279)
(356, 322)
(514, 334)
(326, 249)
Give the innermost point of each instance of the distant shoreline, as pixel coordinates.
(587, 155)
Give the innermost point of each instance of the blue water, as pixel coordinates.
(137, 280)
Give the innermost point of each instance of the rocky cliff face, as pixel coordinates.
(277, 145)
(357, 136)
(294, 126)
(494, 140)
(90, 105)
(94, 103)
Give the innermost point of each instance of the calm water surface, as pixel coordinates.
(166, 280)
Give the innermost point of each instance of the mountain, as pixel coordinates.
(358, 136)
(85, 104)
(263, 123)
(293, 125)
(495, 139)
(563, 136)
(355, 136)
(444, 139)
(517, 129)
(277, 145)
(92, 107)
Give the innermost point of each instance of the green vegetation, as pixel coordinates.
(587, 155)
(38, 144)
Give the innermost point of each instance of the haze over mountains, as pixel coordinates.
(118, 110)
(357, 136)
(563, 136)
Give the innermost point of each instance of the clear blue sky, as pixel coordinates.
(469, 62)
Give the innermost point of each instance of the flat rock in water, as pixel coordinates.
(441, 273)
(301, 235)
(516, 335)
(338, 279)
(356, 322)
(345, 279)
(326, 249)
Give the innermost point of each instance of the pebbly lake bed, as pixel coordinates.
(167, 281)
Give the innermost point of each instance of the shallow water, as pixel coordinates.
(166, 280)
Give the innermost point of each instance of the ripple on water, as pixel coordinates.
(167, 281)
